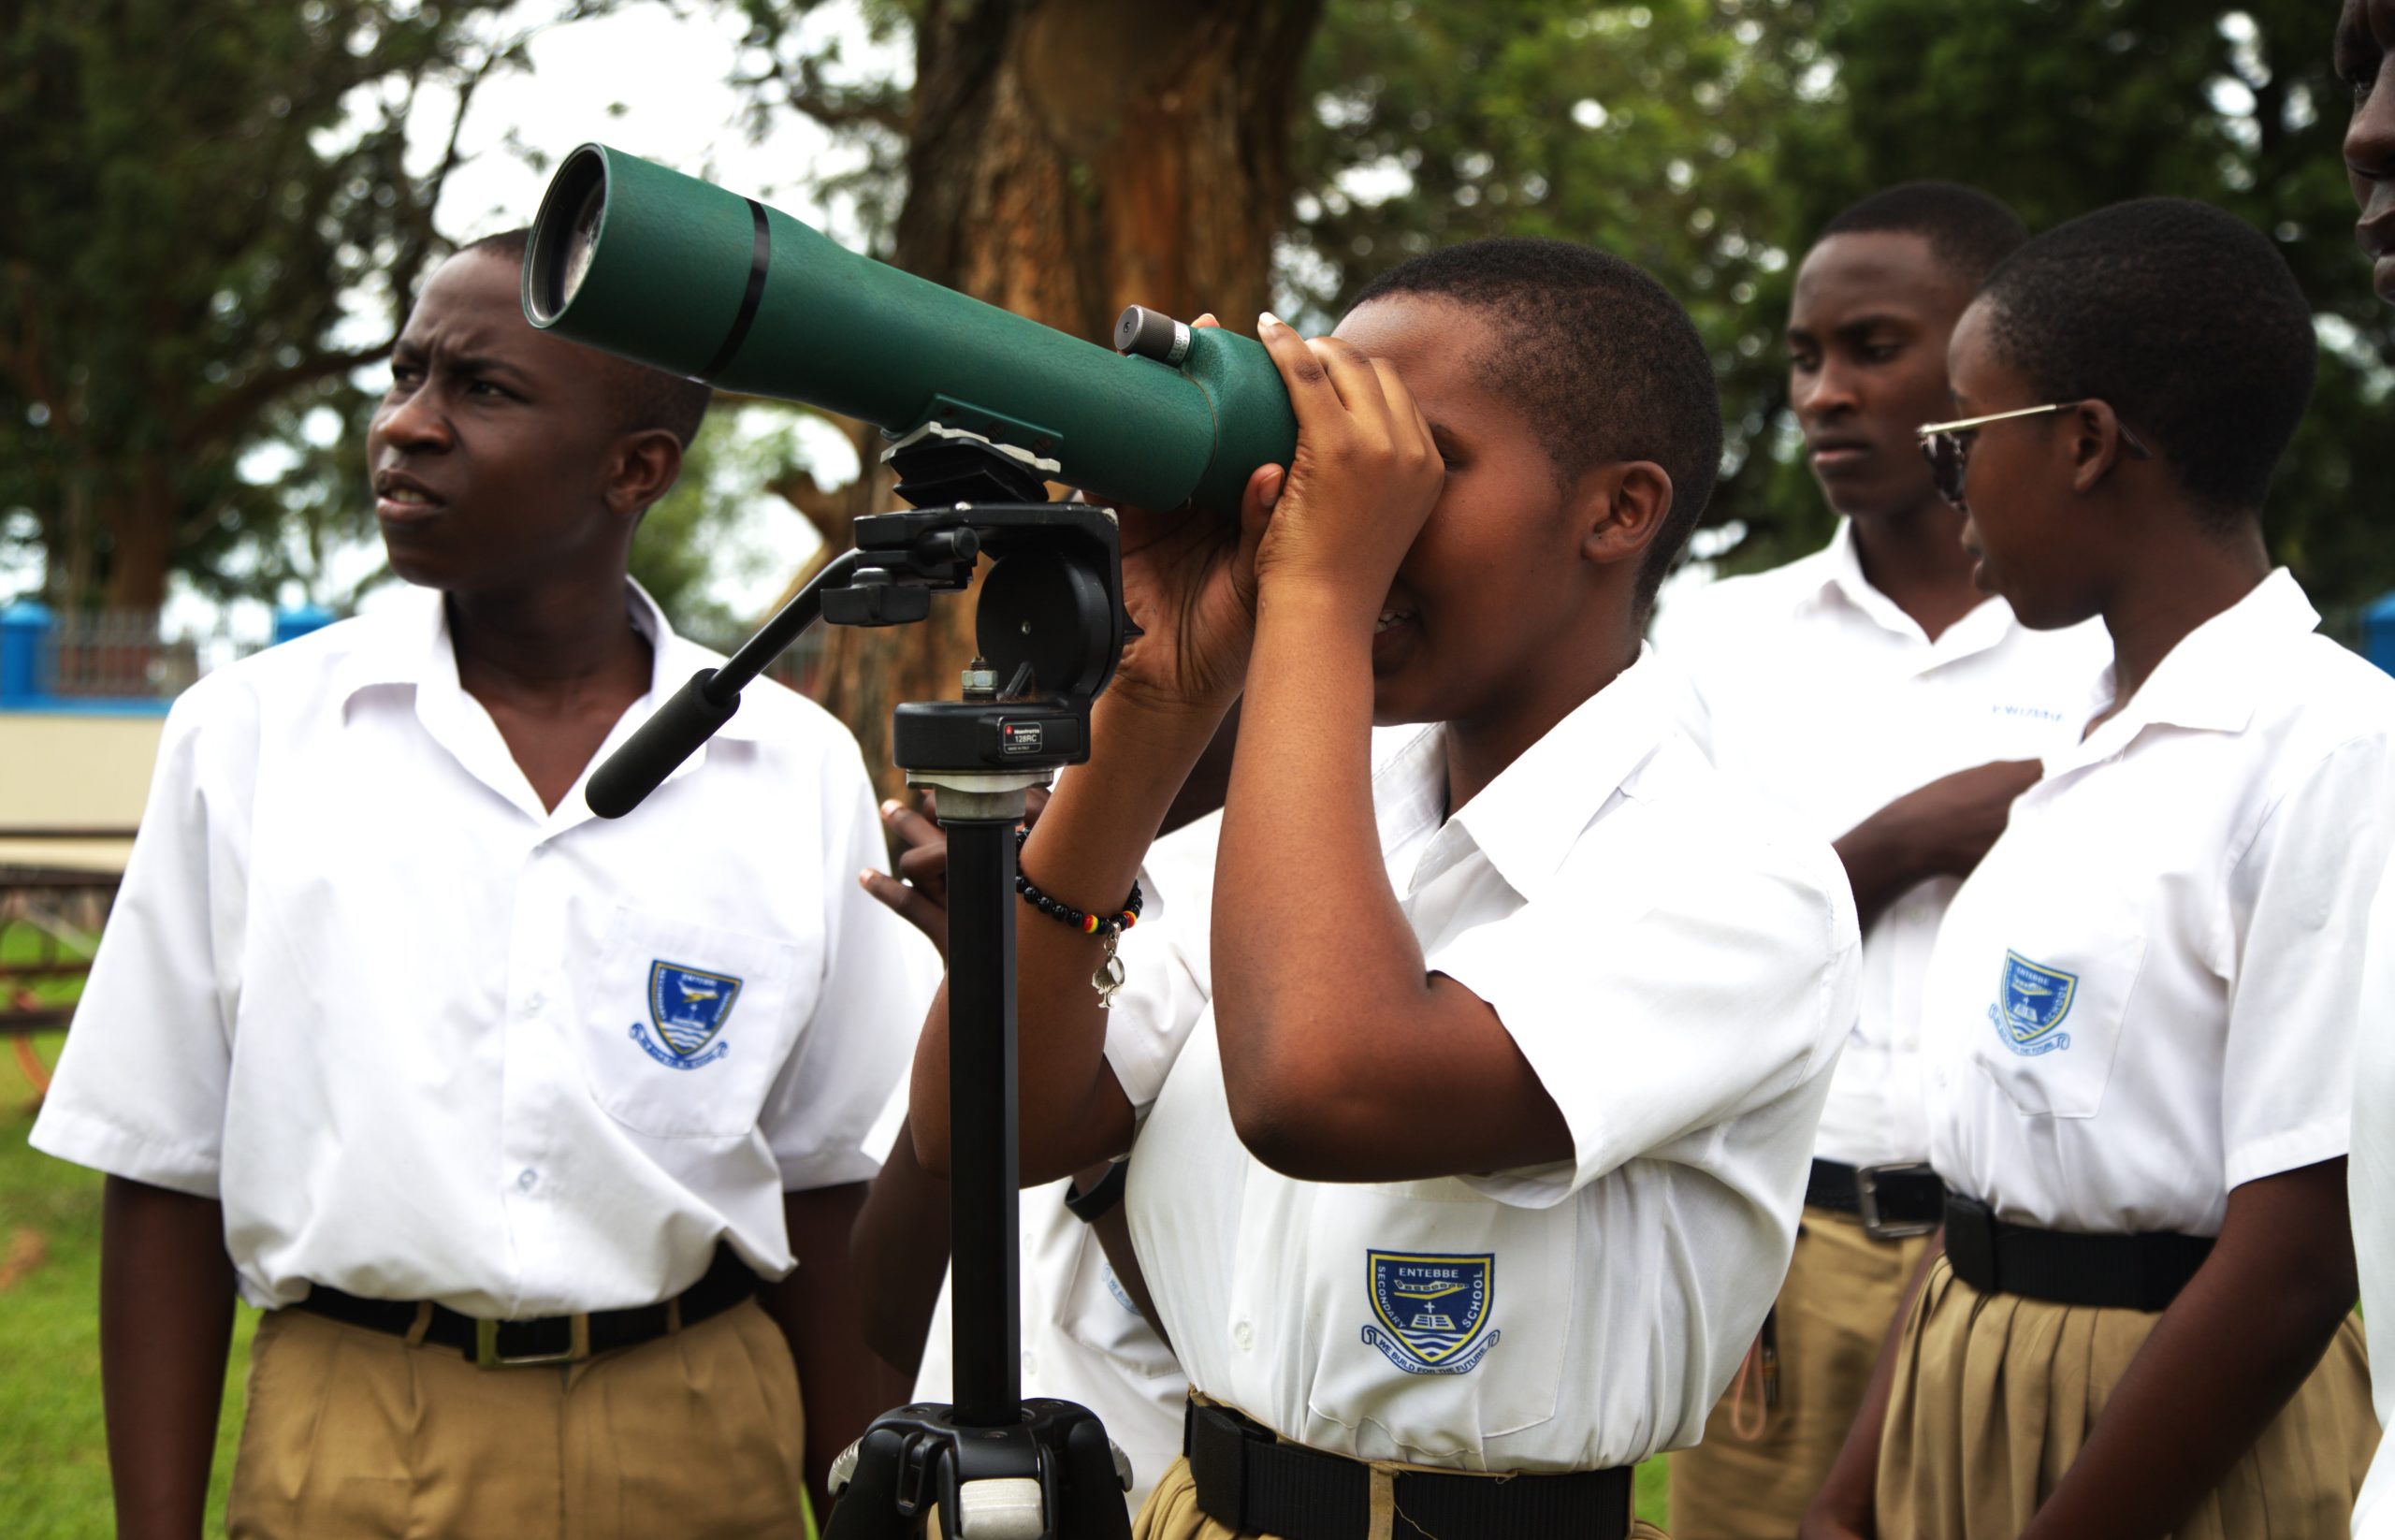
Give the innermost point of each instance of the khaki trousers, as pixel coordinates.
(1172, 1514)
(353, 1434)
(1994, 1396)
(1759, 1466)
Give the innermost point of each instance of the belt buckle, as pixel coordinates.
(1866, 1201)
(488, 1355)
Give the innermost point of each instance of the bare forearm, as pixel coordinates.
(1085, 852)
(1941, 829)
(1318, 1061)
(1882, 864)
(1300, 878)
(2217, 1368)
(166, 1325)
(899, 1251)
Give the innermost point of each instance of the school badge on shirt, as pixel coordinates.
(2034, 999)
(689, 1009)
(1432, 1309)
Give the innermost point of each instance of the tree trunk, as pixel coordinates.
(141, 518)
(1067, 158)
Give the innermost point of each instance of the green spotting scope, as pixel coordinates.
(631, 258)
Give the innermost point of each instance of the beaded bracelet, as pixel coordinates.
(1109, 977)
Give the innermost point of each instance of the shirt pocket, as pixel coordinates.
(2050, 1030)
(684, 1026)
(1443, 1315)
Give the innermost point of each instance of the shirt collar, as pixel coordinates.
(2213, 679)
(1526, 820)
(1843, 582)
(411, 646)
(1842, 578)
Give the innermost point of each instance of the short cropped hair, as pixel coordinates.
(2186, 319)
(644, 397)
(1968, 231)
(1597, 355)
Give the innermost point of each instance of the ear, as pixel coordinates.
(1622, 507)
(2095, 445)
(642, 467)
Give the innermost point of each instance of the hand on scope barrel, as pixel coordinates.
(1190, 584)
(918, 892)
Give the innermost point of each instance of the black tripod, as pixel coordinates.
(1049, 626)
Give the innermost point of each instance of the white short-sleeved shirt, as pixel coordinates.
(426, 1040)
(1816, 689)
(2371, 1178)
(1676, 966)
(2146, 994)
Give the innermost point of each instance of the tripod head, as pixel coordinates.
(1050, 624)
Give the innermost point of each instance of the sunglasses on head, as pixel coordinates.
(1946, 446)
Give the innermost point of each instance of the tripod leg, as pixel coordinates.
(982, 1199)
(1092, 1504)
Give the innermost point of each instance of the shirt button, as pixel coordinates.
(528, 1179)
(1030, 1362)
(533, 1002)
(1243, 1336)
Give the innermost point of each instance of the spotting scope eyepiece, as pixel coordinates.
(631, 258)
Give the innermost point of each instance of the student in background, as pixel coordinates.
(1885, 700)
(2139, 1019)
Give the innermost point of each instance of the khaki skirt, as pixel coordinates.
(1995, 1394)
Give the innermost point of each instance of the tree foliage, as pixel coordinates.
(192, 190)
(1704, 139)
(192, 193)
(1657, 131)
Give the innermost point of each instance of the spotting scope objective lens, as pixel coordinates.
(582, 245)
(561, 256)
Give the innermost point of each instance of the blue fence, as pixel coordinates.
(105, 661)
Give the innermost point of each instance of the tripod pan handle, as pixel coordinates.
(685, 722)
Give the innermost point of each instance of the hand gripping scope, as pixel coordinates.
(631, 258)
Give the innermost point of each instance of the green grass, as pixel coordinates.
(1654, 1481)
(53, 1445)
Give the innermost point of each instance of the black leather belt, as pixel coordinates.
(2121, 1271)
(1892, 1201)
(555, 1339)
(1250, 1481)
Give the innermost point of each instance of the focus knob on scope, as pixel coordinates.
(1145, 333)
